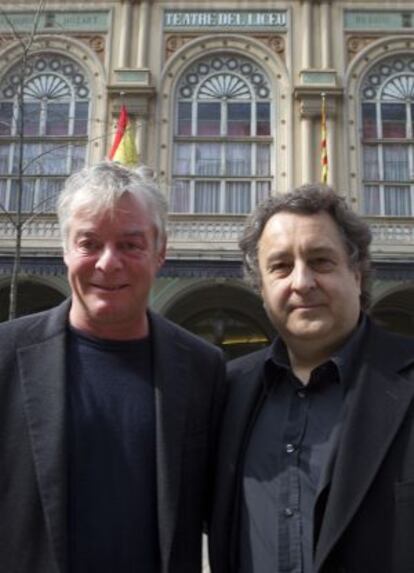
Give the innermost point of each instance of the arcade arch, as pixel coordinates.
(395, 310)
(229, 316)
(33, 296)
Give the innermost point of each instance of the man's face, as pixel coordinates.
(112, 261)
(310, 292)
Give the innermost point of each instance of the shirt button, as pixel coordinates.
(289, 448)
(301, 394)
(288, 512)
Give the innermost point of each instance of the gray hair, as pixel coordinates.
(310, 200)
(99, 188)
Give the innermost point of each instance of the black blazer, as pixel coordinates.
(364, 512)
(188, 378)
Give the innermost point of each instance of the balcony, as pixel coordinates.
(393, 237)
(41, 235)
(205, 236)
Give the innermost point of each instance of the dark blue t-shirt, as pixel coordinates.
(112, 515)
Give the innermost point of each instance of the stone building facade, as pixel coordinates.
(225, 97)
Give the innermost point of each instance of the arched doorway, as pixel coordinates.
(229, 317)
(395, 311)
(31, 297)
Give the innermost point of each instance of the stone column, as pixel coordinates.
(330, 147)
(326, 63)
(306, 123)
(307, 32)
(125, 34)
(326, 35)
(306, 129)
(143, 34)
(142, 137)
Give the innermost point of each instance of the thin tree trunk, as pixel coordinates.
(19, 220)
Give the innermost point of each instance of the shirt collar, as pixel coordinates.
(344, 358)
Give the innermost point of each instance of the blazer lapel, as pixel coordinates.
(374, 410)
(42, 371)
(240, 416)
(171, 379)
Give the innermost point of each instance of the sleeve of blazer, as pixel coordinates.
(242, 391)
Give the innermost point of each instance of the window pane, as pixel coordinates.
(4, 159)
(369, 121)
(78, 157)
(48, 192)
(207, 197)
(395, 162)
(208, 119)
(57, 119)
(180, 197)
(55, 159)
(27, 195)
(238, 119)
(263, 119)
(262, 191)
(184, 118)
(238, 159)
(3, 195)
(263, 160)
(6, 118)
(182, 159)
(372, 205)
(208, 159)
(393, 118)
(397, 200)
(412, 120)
(80, 124)
(238, 197)
(31, 115)
(371, 168)
(33, 159)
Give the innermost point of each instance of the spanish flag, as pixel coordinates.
(324, 137)
(123, 148)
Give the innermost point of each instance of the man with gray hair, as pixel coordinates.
(316, 459)
(108, 412)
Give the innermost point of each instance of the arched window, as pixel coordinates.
(387, 110)
(51, 143)
(222, 137)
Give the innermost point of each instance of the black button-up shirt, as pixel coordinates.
(288, 448)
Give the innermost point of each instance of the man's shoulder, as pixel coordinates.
(27, 329)
(248, 362)
(166, 328)
(387, 351)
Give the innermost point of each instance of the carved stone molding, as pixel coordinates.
(95, 42)
(310, 101)
(174, 42)
(357, 43)
(275, 42)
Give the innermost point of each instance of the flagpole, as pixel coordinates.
(324, 141)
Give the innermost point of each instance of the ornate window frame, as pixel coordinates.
(367, 59)
(280, 84)
(94, 73)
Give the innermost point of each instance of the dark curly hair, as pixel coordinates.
(310, 200)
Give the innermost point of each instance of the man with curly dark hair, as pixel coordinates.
(315, 469)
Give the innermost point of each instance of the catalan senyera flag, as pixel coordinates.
(123, 148)
(324, 148)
